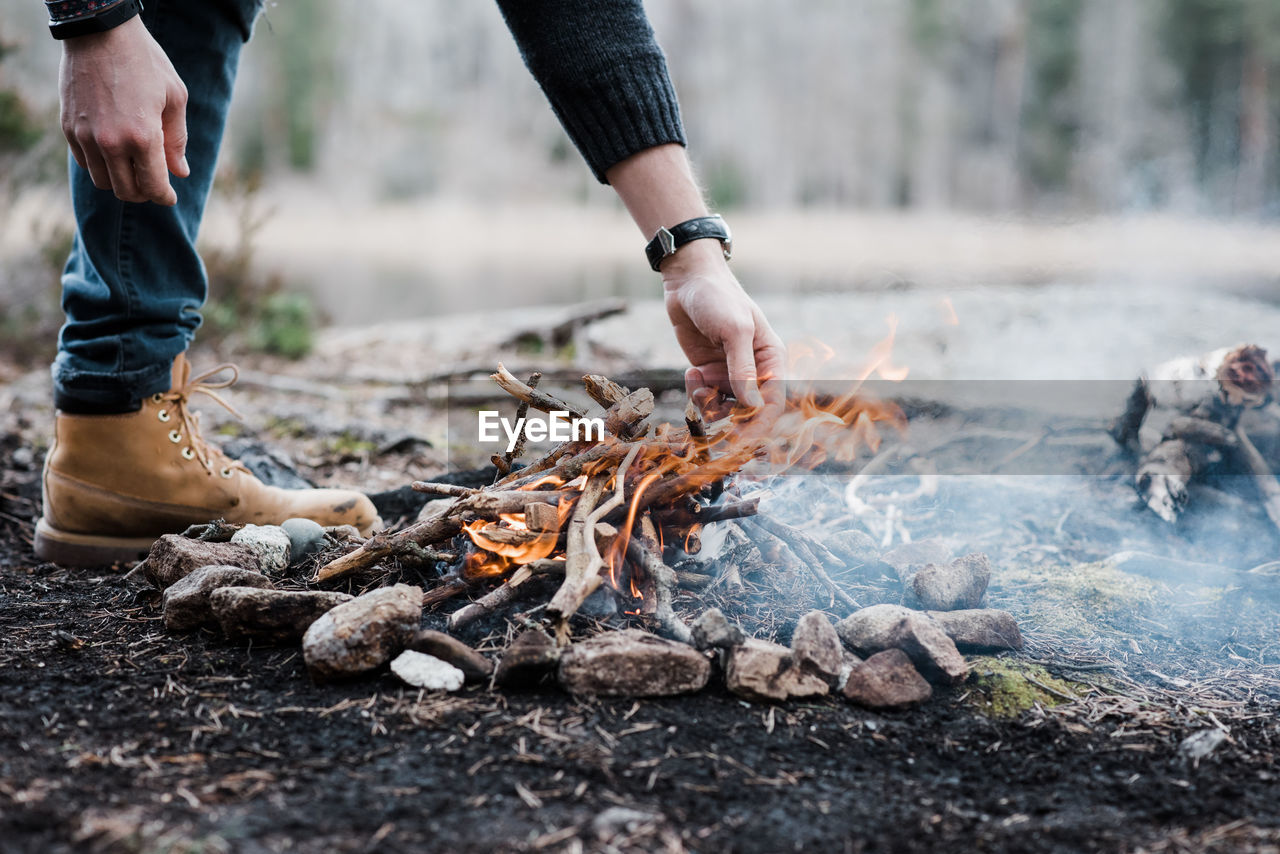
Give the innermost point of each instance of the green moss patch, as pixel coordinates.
(1006, 687)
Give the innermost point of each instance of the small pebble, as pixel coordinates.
(426, 671)
(306, 538)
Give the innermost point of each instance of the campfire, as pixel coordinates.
(636, 514)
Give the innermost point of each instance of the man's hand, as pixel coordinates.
(124, 112)
(721, 330)
(723, 333)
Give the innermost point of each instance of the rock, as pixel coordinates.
(173, 557)
(306, 537)
(882, 627)
(856, 547)
(713, 630)
(186, 601)
(274, 616)
(761, 670)
(448, 648)
(363, 634)
(527, 660)
(269, 542)
(982, 630)
(910, 555)
(426, 671)
(948, 587)
(815, 647)
(886, 680)
(632, 663)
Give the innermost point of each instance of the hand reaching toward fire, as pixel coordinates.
(723, 333)
(725, 336)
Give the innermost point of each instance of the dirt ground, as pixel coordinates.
(117, 736)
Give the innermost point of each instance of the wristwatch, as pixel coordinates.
(668, 240)
(99, 17)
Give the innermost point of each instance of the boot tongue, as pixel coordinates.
(180, 373)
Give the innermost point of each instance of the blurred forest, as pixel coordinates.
(1006, 109)
(1080, 106)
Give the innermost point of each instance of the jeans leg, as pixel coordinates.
(134, 284)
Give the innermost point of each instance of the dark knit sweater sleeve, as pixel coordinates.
(603, 72)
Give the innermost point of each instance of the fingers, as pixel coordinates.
(131, 167)
(173, 122)
(740, 360)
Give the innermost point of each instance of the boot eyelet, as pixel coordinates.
(175, 437)
(188, 454)
(157, 398)
(163, 415)
(226, 473)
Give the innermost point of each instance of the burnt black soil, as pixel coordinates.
(116, 736)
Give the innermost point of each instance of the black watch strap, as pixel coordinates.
(99, 22)
(668, 240)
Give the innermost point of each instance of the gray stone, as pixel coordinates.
(882, 627)
(306, 537)
(982, 630)
(856, 547)
(761, 670)
(886, 680)
(527, 660)
(947, 587)
(186, 601)
(426, 671)
(173, 557)
(713, 630)
(632, 663)
(269, 542)
(272, 616)
(910, 555)
(363, 634)
(448, 648)
(815, 647)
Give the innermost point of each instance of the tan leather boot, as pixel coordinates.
(113, 484)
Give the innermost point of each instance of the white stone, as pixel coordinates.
(426, 671)
(269, 542)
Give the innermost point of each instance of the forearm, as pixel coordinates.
(658, 189)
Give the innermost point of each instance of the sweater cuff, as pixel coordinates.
(624, 111)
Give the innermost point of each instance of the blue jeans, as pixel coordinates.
(133, 286)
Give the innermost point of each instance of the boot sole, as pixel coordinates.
(87, 550)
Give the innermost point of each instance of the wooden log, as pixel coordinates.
(603, 390)
(542, 517)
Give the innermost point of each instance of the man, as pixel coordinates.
(144, 96)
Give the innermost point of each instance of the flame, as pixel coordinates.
(809, 425)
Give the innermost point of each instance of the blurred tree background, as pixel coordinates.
(1009, 108)
(1083, 106)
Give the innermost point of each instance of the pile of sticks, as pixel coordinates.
(1203, 401)
(593, 512)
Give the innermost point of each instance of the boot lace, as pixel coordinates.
(209, 456)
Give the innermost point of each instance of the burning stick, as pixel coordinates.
(446, 489)
(582, 571)
(489, 504)
(603, 390)
(664, 581)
